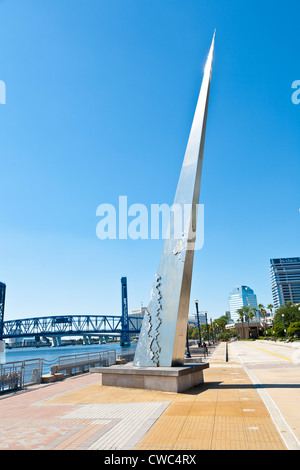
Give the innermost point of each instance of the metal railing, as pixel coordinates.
(203, 352)
(15, 375)
(127, 355)
(79, 363)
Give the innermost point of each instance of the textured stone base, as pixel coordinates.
(164, 379)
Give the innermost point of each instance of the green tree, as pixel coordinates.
(204, 332)
(279, 329)
(195, 333)
(294, 329)
(221, 323)
(192, 333)
(286, 315)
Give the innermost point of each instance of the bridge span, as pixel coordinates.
(55, 327)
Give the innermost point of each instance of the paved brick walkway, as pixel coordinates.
(226, 412)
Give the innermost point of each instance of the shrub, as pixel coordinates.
(294, 329)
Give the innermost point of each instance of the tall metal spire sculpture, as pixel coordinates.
(163, 334)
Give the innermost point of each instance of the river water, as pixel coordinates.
(50, 354)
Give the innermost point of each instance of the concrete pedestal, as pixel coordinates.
(52, 378)
(164, 379)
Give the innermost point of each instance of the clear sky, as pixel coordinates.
(100, 97)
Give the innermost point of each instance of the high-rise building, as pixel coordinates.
(241, 296)
(285, 280)
(193, 319)
(138, 313)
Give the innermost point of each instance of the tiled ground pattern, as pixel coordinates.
(226, 412)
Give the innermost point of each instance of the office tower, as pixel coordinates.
(285, 280)
(193, 319)
(241, 296)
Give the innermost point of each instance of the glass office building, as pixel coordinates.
(241, 296)
(285, 280)
(193, 319)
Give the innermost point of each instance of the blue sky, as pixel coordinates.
(100, 96)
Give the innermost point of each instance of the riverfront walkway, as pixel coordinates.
(227, 412)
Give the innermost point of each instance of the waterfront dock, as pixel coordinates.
(227, 412)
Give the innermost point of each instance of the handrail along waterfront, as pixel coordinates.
(79, 363)
(15, 375)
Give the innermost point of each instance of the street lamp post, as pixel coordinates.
(187, 352)
(199, 329)
(207, 330)
(274, 338)
(212, 331)
(283, 324)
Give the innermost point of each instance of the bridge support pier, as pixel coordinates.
(125, 337)
(87, 339)
(56, 341)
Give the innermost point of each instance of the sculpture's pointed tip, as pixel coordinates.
(214, 36)
(209, 61)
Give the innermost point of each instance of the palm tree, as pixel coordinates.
(246, 310)
(241, 314)
(270, 307)
(248, 315)
(253, 312)
(261, 307)
(263, 312)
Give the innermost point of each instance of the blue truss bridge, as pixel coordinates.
(55, 327)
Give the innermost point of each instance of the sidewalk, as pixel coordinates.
(226, 412)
